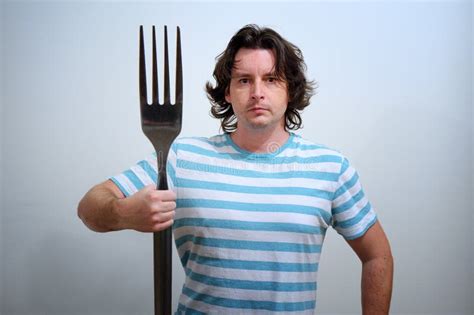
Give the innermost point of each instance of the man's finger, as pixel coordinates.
(161, 226)
(163, 216)
(166, 195)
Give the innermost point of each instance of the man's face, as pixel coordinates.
(259, 99)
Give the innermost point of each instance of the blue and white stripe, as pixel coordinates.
(249, 227)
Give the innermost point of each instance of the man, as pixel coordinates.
(250, 208)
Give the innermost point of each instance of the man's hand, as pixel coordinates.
(148, 210)
(104, 208)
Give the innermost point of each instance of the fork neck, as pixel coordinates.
(162, 157)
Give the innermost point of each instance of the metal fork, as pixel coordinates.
(161, 123)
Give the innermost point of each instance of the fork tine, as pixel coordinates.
(179, 70)
(142, 70)
(155, 71)
(167, 71)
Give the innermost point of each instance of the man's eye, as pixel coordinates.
(271, 80)
(244, 81)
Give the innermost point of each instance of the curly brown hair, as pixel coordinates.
(289, 67)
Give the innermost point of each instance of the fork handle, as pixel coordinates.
(162, 254)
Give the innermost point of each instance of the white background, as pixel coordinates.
(395, 96)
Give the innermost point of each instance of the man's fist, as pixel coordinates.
(148, 210)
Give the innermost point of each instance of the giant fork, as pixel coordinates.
(161, 123)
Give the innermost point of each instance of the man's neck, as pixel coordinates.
(260, 141)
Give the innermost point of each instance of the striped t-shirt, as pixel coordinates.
(249, 227)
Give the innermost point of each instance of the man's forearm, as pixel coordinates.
(377, 278)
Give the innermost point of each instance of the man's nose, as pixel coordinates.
(257, 90)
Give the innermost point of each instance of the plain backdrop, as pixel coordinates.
(395, 96)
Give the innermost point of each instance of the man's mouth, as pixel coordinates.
(257, 109)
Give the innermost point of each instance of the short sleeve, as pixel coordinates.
(145, 172)
(352, 213)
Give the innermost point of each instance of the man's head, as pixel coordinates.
(289, 67)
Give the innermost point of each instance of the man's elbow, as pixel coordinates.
(386, 260)
(83, 213)
(384, 257)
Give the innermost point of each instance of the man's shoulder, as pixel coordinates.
(214, 140)
(316, 148)
(200, 143)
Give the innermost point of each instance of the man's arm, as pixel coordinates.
(374, 252)
(104, 208)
